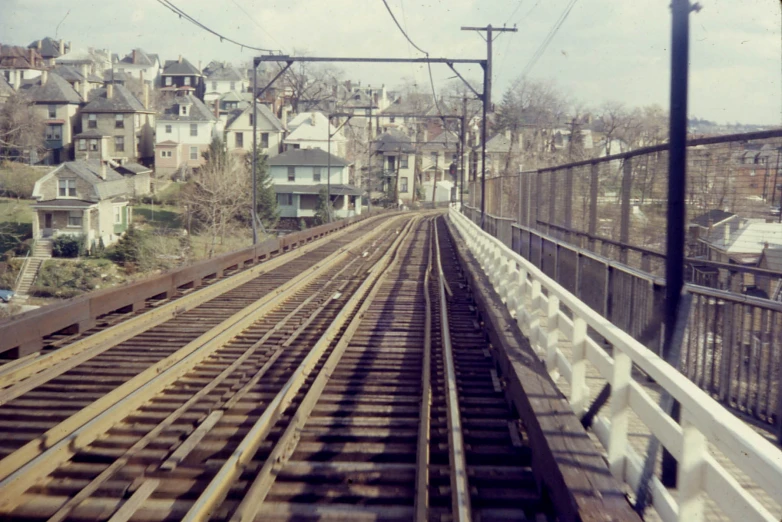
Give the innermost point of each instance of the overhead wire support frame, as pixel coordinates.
(289, 61)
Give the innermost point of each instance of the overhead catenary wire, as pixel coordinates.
(258, 25)
(168, 4)
(547, 40)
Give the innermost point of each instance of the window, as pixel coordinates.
(194, 129)
(168, 129)
(82, 144)
(53, 132)
(52, 112)
(285, 199)
(92, 122)
(264, 140)
(233, 86)
(392, 119)
(119, 143)
(316, 174)
(67, 188)
(168, 81)
(74, 218)
(250, 116)
(214, 86)
(193, 153)
(165, 153)
(183, 110)
(239, 140)
(403, 184)
(187, 80)
(117, 215)
(434, 157)
(296, 146)
(291, 173)
(403, 162)
(93, 145)
(119, 121)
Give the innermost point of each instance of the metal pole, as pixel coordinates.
(253, 214)
(486, 109)
(369, 159)
(464, 151)
(677, 186)
(328, 171)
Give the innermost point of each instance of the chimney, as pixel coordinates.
(110, 91)
(312, 119)
(133, 57)
(17, 79)
(284, 117)
(217, 108)
(180, 58)
(199, 66)
(32, 57)
(85, 83)
(103, 169)
(141, 76)
(146, 95)
(40, 43)
(44, 77)
(62, 47)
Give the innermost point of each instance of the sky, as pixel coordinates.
(606, 50)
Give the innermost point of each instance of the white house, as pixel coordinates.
(396, 154)
(220, 79)
(300, 174)
(140, 65)
(183, 131)
(311, 130)
(239, 130)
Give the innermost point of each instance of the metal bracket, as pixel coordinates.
(480, 96)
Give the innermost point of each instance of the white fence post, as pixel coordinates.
(552, 336)
(579, 391)
(533, 307)
(620, 409)
(690, 473)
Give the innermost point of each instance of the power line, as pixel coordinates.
(253, 20)
(546, 41)
(168, 4)
(518, 6)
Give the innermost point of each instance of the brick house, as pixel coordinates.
(182, 77)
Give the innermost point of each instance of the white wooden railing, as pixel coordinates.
(530, 296)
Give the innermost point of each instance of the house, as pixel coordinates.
(18, 64)
(771, 259)
(50, 49)
(396, 154)
(57, 103)
(500, 150)
(87, 199)
(97, 61)
(184, 130)
(437, 156)
(311, 130)
(299, 175)
(220, 79)
(239, 130)
(753, 168)
(230, 101)
(181, 76)
(139, 64)
(79, 78)
(116, 125)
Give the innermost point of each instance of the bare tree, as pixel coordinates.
(218, 197)
(21, 128)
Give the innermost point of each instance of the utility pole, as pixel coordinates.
(369, 159)
(487, 72)
(464, 150)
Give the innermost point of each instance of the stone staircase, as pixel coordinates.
(41, 252)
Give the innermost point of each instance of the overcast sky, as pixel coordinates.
(605, 50)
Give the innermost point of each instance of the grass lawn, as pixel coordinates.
(159, 216)
(16, 211)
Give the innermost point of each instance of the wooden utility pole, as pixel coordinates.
(464, 150)
(486, 99)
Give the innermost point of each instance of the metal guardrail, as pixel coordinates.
(532, 295)
(733, 347)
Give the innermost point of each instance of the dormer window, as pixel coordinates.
(92, 121)
(67, 188)
(187, 80)
(168, 81)
(52, 112)
(183, 110)
(119, 121)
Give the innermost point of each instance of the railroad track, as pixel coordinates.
(362, 388)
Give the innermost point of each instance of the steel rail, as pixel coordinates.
(218, 409)
(460, 491)
(98, 343)
(34, 460)
(218, 487)
(425, 415)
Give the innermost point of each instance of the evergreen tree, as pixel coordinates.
(509, 115)
(217, 153)
(266, 197)
(322, 208)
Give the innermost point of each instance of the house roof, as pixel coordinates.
(312, 126)
(337, 189)
(262, 112)
(78, 56)
(69, 203)
(132, 168)
(444, 140)
(167, 143)
(180, 67)
(394, 140)
(90, 171)
(55, 90)
(50, 48)
(198, 110)
(71, 74)
(17, 57)
(751, 238)
(711, 218)
(499, 143)
(112, 76)
(306, 157)
(122, 101)
(139, 57)
(223, 72)
(91, 133)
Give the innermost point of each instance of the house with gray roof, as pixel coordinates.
(299, 175)
(182, 77)
(57, 103)
(239, 130)
(183, 131)
(18, 64)
(50, 49)
(395, 159)
(139, 64)
(86, 199)
(220, 79)
(115, 125)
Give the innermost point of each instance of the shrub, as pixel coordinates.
(129, 247)
(68, 246)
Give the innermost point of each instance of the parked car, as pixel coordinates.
(6, 295)
(775, 210)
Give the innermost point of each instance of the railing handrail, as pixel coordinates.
(25, 262)
(754, 455)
